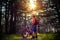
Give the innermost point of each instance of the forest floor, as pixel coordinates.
(17, 37)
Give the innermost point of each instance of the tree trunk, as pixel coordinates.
(0, 15)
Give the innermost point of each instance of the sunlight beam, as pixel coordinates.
(32, 4)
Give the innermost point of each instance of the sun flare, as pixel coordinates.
(32, 4)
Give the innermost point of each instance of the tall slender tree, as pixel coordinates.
(0, 14)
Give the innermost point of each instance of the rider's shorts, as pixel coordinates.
(34, 28)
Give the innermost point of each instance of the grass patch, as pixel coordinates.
(16, 37)
(46, 36)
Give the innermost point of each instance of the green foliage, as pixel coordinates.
(40, 37)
